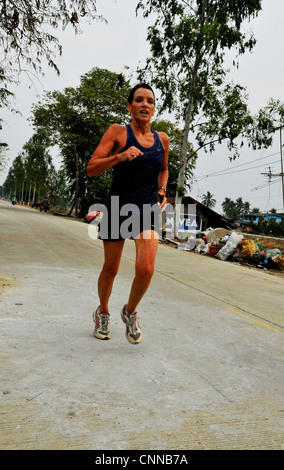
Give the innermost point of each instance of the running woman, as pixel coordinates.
(139, 158)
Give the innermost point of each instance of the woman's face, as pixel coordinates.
(143, 105)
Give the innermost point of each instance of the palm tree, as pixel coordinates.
(229, 208)
(239, 205)
(246, 207)
(208, 200)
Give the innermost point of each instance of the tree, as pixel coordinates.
(3, 147)
(229, 209)
(271, 227)
(75, 120)
(246, 207)
(2, 154)
(58, 193)
(188, 43)
(175, 138)
(15, 178)
(208, 200)
(37, 163)
(27, 38)
(28, 174)
(268, 120)
(235, 209)
(239, 205)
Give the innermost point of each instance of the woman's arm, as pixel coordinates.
(164, 173)
(101, 161)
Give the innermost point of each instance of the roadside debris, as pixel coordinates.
(229, 245)
(188, 245)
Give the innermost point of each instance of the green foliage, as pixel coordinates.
(227, 118)
(57, 190)
(27, 35)
(175, 138)
(266, 120)
(235, 209)
(208, 200)
(271, 227)
(76, 119)
(268, 227)
(5, 93)
(28, 175)
(3, 147)
(186, 34)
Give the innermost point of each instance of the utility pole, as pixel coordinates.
(270, 175)
(281, 155)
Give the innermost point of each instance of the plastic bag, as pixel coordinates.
(230, 246)
(187, 246)
(273, 252)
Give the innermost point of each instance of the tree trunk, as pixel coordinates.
(29, 196)
(183, 159)
(188, 119)
(22, 197)
(76, 180)
(72, 207)
(34, 191)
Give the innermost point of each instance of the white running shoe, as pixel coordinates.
(133, 332)
(101, 320)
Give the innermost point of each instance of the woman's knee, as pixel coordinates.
(144, 270)
(113, 251)
(110, 270)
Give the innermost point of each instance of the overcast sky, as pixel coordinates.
(123, 42)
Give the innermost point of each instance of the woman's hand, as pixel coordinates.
(162, 200)
(130, 154)
(105, 156)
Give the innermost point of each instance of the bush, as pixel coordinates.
(271, 227)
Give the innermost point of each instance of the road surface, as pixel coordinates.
(207, 375)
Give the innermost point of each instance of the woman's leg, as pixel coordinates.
(112, 252)
(146, 249)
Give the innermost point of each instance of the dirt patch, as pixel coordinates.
(5, 284)
(268, 243)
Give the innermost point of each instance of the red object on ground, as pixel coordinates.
(92, 215)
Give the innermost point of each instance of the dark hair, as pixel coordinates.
(140, 85)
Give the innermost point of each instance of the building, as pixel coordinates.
(205, 218)
(255, 217)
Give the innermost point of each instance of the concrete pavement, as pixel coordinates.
(207, 375)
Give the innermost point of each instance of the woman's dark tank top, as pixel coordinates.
(136, 181)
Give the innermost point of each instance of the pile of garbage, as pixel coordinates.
(233, 246)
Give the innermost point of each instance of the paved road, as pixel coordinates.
(208, 374)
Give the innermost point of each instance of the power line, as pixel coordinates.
(240, 171)
(221, 172)
(265, 185)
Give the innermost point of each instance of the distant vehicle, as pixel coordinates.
(38, 205)
(14, 200)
